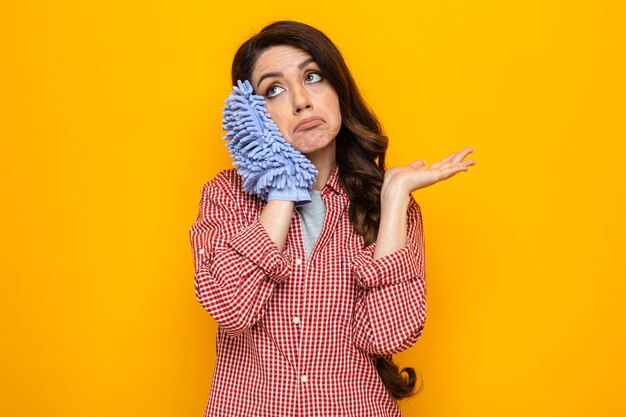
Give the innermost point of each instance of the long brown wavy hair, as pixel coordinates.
(360, 143)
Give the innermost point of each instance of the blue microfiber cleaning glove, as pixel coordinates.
(269, 166)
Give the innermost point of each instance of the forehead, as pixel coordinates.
(281, 58)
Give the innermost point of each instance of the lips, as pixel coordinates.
(308, 123)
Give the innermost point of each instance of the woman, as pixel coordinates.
(312, 300)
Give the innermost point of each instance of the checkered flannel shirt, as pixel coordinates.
(297, 337)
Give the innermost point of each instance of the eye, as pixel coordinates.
(313, 77)
(273, 91)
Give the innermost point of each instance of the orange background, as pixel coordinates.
(110, 124)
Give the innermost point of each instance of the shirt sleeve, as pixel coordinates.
(237, 265)
(390, 308)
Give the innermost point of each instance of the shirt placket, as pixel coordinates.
(308, 308)
(296, 322)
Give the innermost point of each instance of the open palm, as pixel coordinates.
(416, 175)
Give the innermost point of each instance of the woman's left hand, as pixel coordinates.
(408, 178)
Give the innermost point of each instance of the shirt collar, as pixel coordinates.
(333, 183)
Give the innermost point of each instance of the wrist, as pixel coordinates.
(394, 198)
(297, 196)
(279, 206)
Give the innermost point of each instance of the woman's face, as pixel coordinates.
(304, 106)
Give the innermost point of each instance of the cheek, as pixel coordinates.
(339, 120)
(336, 114)
(280, 122)
(331, 102)
(282, 126)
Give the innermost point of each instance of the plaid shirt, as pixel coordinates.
(296, 337)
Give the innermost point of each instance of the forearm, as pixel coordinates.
(276, 218)
(237, 265)
(392, 230)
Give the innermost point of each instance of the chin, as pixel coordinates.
(313, 144)
(309, 147)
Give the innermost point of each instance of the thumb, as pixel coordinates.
(418, 164)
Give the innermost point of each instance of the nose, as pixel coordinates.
(301, 100)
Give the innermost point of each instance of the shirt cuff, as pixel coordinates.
(394, 268)
(255, 244)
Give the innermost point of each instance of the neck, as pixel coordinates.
(325, 161)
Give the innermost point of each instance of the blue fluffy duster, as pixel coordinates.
(269, 166)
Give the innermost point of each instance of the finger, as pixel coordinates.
(456, 157)
(469, 163)
(461, 164)
(461, 155)
(449, 158)
(417, 164)
(443, 166)
(451, 171)
(444, 163)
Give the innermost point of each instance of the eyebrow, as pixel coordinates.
(280, 74)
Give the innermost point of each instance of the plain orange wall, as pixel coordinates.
(110, 124)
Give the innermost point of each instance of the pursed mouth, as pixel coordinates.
(309, 124)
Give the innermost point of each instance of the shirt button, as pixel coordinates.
(298, 261)
(296, 320)
(303, 378)
(201, 251)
